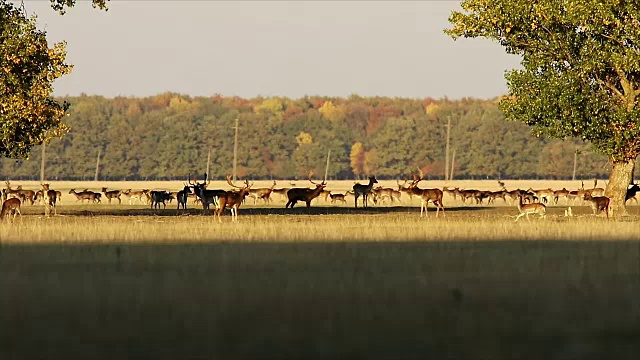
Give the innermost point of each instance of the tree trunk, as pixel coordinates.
(619, 180)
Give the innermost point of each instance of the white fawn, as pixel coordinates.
(533, 208)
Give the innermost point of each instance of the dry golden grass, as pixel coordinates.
(121, 281)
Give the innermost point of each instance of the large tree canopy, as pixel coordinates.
(580, 71)
(28, 67)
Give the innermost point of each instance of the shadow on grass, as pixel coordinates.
(437, 300)
(244, 211)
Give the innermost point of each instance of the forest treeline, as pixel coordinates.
(167, 136)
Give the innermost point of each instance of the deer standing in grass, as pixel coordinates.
(631, 193)
(49, 199)
(532, 208)
(304, 194)
(112, 194)
(364, 190)
(426, 195)
(10, 206)
(598, 203)
(232, 199)
(183, 196)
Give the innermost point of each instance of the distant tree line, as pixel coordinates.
(167, 136)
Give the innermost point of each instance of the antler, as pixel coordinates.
(206, 179)
(231, 183)
(190, 183)
(310, 176)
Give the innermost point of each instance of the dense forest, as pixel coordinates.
(170, 135)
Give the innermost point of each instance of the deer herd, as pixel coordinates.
(528, 202)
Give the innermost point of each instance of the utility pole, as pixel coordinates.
(208, 161)
(235, 151)
(42, 163)
(98, 165)
(446, 151)
(326, 169)
(575, 163)
(453, 162)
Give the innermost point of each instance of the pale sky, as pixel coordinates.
(272, 48)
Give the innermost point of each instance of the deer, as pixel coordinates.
(232, 199)
(426, 195)
(404, 189)
(183, 196)
(560, 193)
(543, 194)
(9, 192)
(206, 196)
(10, 206)
(385, 193)
(304, 194)
(364, 190)
(631, 193)
(49, 199)
(84, 195)
(532, 208)
(113, 194)
(26, 195)
(282, 192)
(262, 193)
(158, 197)
(337, 197)
(598, 203)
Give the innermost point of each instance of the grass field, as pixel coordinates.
(126, 281)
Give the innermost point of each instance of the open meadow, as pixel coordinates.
(127, 281)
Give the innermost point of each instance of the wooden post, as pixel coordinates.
(453, 162)
(446, 150)
(42, 163)
(326, 169)
(235, 152)
(208, 161)
(98, 165)
(575, 163)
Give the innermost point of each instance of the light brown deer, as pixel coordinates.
(262, 193)
(426, 195)
(232, 199)
(304, 194)
(49, 198)
(83, 195)
(112, 194)
(338, 197)
(533, 208)
(10, 206)
(598, 203)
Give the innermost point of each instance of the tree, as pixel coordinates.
(357, 159)
(29, 115)
(580, 72)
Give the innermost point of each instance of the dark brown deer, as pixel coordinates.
(112, 194)
(183, 196)
(364, 190)
(205, 195)
(304, 194)
(426, 195)
(10, 206)
(598, 203)
(631, 193)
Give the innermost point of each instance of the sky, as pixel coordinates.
(266, 48)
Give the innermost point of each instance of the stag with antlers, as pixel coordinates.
(232, 199)
(305, 194)
(206, 196)
(364, 190)
(426, 195)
